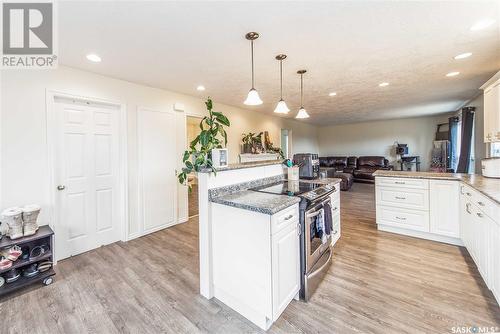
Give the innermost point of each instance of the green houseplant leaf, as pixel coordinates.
(212, 135)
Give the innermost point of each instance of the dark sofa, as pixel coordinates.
(361, 168)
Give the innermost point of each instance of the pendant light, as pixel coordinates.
(281, 107)
(253, 98)
(302, 111)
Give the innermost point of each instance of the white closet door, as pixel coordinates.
(182, 190)
(87, 157)
(157, 163)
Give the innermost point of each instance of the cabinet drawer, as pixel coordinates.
(486, 205)
(404, 218)
(402, 182)
(284, 218)
(403, 198)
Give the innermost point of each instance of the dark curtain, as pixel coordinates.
(453, 139)
(466, 142)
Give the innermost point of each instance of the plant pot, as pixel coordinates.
(247, 148)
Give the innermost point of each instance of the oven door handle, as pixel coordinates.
(309, 215)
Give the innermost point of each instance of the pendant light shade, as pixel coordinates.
(302, 111)
(253, 98)
(302, 114)
(281, 107)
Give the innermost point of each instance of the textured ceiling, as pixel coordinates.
(347, 47)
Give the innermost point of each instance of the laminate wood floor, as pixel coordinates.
(378, 283)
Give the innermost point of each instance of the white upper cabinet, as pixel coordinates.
(492, 109)
(444, 208)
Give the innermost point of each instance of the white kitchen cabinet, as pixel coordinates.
(419, 207)
(256, 261)
(444, 204)
(285, 266)
(494, 265)
(336, 226)
(492, 110)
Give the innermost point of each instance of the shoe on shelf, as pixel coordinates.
(14, 220)
(44, 266)
(5, 263)
(30, 216)
(12, 253)
(12, 275)
(31, 270)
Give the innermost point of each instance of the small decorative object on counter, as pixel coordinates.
(220, 157)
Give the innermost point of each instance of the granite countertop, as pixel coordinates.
(257, 201)
(326, 180)
(487, 186)
(244, 165)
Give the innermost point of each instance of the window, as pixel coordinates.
(495, 149)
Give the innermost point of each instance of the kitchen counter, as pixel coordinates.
(243, 165)
(257, 201)
(327, 180)
(487, 186)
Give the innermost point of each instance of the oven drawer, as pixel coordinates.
(402, 182)
(403, 198)
(405, 218)
(284, 218)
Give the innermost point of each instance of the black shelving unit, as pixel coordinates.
(44, 235)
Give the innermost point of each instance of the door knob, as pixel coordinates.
(61, 187)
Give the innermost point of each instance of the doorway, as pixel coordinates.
(192, 130)
(87, 175)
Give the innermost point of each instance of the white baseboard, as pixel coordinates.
(421, 235)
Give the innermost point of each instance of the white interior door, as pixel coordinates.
(157, 164)
(87, 172)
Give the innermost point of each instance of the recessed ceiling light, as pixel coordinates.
(200, 88)
(463, 55)
(452, 74)
(332, 94)
(483, 24)
(383, 84)
(93, 57)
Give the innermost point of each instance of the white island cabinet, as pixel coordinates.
(256, 261)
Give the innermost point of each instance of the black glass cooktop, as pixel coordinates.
(290, 188)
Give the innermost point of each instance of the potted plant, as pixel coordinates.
(248, 140)
(212, 136)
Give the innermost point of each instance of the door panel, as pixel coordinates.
(157, 147)
(87, 157)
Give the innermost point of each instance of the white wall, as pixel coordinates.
(24, 159)
(377, 138)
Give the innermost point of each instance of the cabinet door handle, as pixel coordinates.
(400, 218)
(299, 232)
(468, 194)
(480, 203)
(288, 217)
(399, 182)
(400, 197)
(479, 214)
(335, 209)
(467, 208)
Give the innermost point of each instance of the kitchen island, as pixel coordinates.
(249, 240)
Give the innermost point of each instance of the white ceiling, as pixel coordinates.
(347, 47)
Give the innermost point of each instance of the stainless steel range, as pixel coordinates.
(315, 251)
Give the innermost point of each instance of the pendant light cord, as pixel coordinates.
(253, 83)
(281, 79)
(301, 92)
